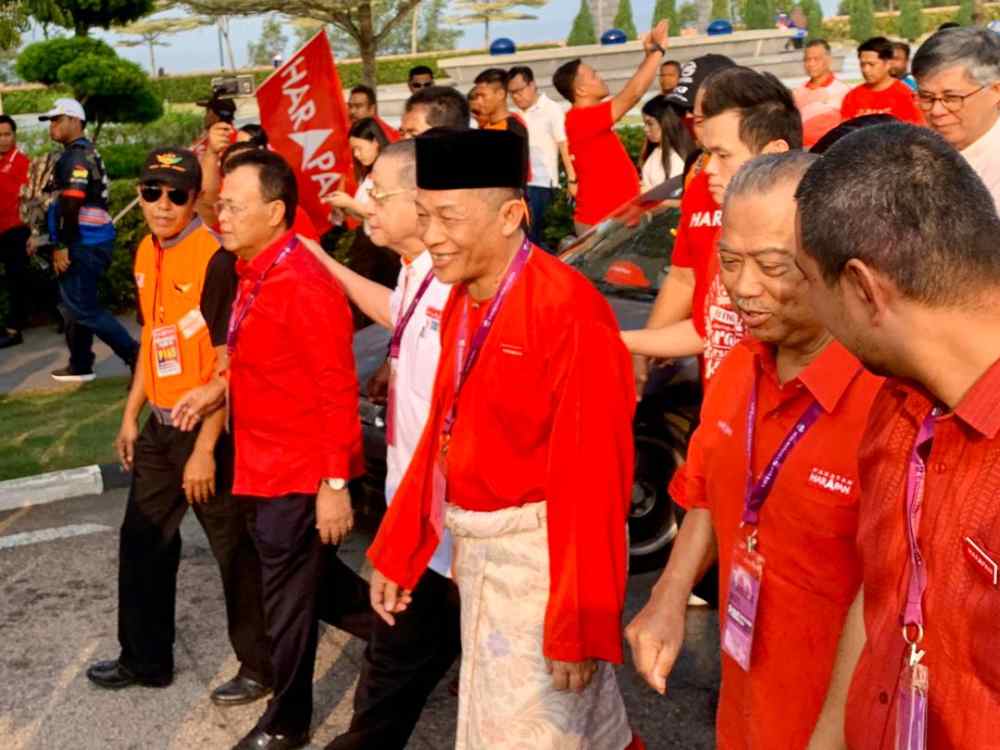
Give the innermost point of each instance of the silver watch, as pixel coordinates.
(336, 484)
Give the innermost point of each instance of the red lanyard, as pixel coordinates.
(397, 334)
(240, 311)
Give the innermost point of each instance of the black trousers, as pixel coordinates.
(403, 664)
(303, 581)
(14, 256)
(150, 552)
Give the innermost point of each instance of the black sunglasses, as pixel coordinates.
(421, 84)
(152, 193)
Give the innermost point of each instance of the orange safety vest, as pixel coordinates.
(177, 353)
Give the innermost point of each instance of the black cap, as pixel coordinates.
(693, 75)
(224, 108)
(469, 159)
(175, 167)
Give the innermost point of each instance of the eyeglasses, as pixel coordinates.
(379, 197)
(951, 102)
(421, 84)
(222, 207)
(152, 193)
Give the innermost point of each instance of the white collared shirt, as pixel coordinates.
(546, 122)
(984, 156)
(419, 351)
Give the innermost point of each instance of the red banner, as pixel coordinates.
(302, 109)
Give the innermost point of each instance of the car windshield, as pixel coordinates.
(628, 254)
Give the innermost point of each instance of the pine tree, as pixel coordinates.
(814, 15)
(759, 14)
(966, 8)
(720, 9)
(911, 20)
(862, 20)
(583, 31)
(623, 19)
(667, 10)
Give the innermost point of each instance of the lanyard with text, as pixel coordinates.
(747, 570)
(242, 307)
(395, 344)
(911, 709)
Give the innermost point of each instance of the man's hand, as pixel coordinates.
(658, 36)
(640, 366)
(571, 675)
(219, 137)
(199, 476)
(655, 637)
(334, 515)
(60, 260)
(378, 384)
(339, 199)
(572, 188)
(197, 404)
(128, 433)
(387, 598)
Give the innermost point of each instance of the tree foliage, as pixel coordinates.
(150, 32)
(687, 13)
(966, 10)
(862, 20)
(272, 41)
(583, 31)
(83, 15)
(624, 21)
(720, 9)
(759, 14)
(911, 20)
(666, 10)
(814, 16)
(492, 11)
(111, 90)
(40, 62)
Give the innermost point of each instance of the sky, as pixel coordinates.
(198, 50)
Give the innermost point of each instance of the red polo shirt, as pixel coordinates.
(897, 100)
(13, 174)
(962, 602)
(293, 388)
(806, 531)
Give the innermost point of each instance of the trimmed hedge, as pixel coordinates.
(28, 101)
(887, 24)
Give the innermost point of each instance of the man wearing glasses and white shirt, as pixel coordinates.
(958, 90)
(546, 122)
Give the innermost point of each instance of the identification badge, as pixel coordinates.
(167, 351)
(741, 610)
(911, 709)
(192, 323)
(390, 409)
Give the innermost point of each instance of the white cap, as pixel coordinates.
(67, 108)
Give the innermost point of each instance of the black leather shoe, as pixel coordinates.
(113, 675)
(238, 691)
(11, 339)
(258, 739)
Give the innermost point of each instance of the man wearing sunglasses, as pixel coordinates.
(958, 90)
(186, 285)
(420, 77)
(83, 236)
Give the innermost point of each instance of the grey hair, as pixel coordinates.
(405, 152)
(764, 173)
(975, 50)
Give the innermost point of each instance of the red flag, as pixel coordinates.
(302, 109)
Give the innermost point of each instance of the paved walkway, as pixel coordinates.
(27, 367)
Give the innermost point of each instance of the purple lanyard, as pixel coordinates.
(464, 361)
(240, 311)
(756, 493)
(914, 614)
(397, 333)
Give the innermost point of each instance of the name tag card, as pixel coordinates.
(741, 610)
(911, 711)
(167, 351)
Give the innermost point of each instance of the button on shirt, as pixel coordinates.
(962, 604)
(546, 123)
(293, 387)
(806, 532)
(420, 349)
(984, 156)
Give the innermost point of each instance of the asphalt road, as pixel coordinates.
(58, 609)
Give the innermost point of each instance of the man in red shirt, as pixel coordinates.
(606, 176)
(770, 495)
(294, 398)
(362, 103)
(526, 342)
(914, 290)
(13, 233)
(880, 93)
(821, 97)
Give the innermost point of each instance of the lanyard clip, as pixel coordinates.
(916, 654)
(752, 540)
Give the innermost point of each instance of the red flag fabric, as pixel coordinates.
(302, 108)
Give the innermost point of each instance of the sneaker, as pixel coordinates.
(69, 375)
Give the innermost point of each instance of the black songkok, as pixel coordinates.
(469, 160)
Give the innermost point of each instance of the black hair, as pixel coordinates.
(675, 134)
(949, 25)
(446, 107)
(368, 91)
(420, 70)
(903, 46)
(521, 70)
(767, 109)
(673, 63)
(491, 76)
(818, 43)
(368, 129)
(653, 108)
(8, 120)
(846, 128)
(904, 202)
(879, 45)
(564, 79)
(277, 178)
(258, 136)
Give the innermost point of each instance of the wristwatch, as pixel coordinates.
(659, 48)
(336, 484)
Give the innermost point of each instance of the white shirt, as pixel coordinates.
(419, 351)
(984, 156)
(546, 124)
(653, 173)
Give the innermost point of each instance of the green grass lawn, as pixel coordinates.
(52, 430)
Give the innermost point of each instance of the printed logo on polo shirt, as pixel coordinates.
(706, 218)
(830, 481)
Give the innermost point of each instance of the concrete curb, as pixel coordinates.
(62, 485)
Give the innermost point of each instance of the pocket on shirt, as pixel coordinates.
(983, 606)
